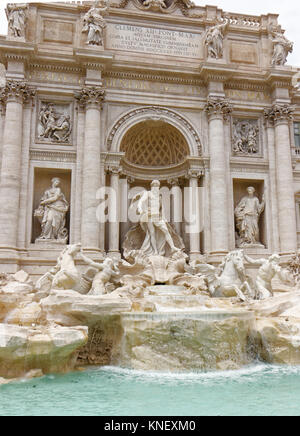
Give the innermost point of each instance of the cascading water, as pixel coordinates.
(188, 337)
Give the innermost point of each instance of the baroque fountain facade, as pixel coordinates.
(149, 188)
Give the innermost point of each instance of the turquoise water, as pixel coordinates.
(108, 391)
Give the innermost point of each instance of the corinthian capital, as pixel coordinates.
(218, 106)
(90, 95)
(14, 90)
(279, 113)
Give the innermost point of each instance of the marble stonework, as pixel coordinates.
(87, 86)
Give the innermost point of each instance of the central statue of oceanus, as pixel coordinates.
(153, 235)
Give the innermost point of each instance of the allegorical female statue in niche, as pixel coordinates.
(52, 214)
(247, 214)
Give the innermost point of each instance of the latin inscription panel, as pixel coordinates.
(151, 40)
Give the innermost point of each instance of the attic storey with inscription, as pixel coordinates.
(98, 94)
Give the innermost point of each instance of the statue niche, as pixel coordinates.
(51, 213)
(153, 235)
(247, 216)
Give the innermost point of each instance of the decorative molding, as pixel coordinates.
(113, 169)
(90, 95)
(279, 113)
(58, 68)
(15, 90)
(218, 106)
(53, 156)
(233, 85)
(195, 173)
(160, 6)
(153, 78)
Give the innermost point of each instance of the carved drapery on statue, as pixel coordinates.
(247, 215)
(17, 17)
(52, 214)
(281, 47)
(94, 23)
(214, 40)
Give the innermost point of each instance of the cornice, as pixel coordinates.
(153, 78)
(56, 67)
(53, 156)
(246, 86)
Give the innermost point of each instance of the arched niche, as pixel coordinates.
(154, 114)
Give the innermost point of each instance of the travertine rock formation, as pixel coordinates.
(50, 349)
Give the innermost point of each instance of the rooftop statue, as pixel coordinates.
(94, 23)
(16, 15)
(281, 47)
(214, 40)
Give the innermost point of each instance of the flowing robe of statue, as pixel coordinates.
(52, 213)
(215, 40)
(247, 215)
(94, 24)
(153, 235)
(282, 47)
(16, 21)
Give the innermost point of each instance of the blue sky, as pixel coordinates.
(289, 11)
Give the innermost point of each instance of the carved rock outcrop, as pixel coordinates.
(70, 308)
(51, 349)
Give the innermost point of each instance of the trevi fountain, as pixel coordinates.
(150, 201)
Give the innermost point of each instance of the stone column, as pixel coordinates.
(281, 115)
(91, 98)
(14, 93)
(218, 110)
(114, 212)
(194, 213)
(176, 208)
(269, 124)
